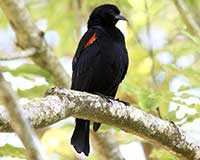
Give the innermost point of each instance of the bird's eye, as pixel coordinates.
(111, 12)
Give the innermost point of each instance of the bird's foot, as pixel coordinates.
(124, 102)
(107, 98)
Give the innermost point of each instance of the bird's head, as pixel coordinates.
(105, 15)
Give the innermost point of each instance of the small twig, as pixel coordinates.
(190, 22)
(151, 52)
(76, 6)
(18, 54)
(19, 123)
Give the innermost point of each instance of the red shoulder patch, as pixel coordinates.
(91, 40)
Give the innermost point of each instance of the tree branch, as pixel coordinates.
(62, 103)
(189, 20)
(29, 36)
(17, 55)
(19, 123)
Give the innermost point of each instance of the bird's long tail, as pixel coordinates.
(80, 137)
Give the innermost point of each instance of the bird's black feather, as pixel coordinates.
(98, 67)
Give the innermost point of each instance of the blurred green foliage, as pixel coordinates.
(142, 86)
(11, 151)
(162, 155)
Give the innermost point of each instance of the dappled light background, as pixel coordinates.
(162, 79)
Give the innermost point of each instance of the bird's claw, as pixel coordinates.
(124, 102)
(109, 98)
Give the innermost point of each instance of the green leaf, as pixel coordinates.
(194, 38)
(3, 20)
(149, 100)
(37, 91)
(172, 116)
(28, 70)
(162, 154)
(11, 151)
(191, 118)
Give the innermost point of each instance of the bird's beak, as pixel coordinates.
(120, 17)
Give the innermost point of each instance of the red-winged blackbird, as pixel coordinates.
(99, 65)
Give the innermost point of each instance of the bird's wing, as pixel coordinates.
(84, 60)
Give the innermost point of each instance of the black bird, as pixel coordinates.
(99, 65)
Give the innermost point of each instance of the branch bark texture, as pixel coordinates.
(62, 103)
(29, 36)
